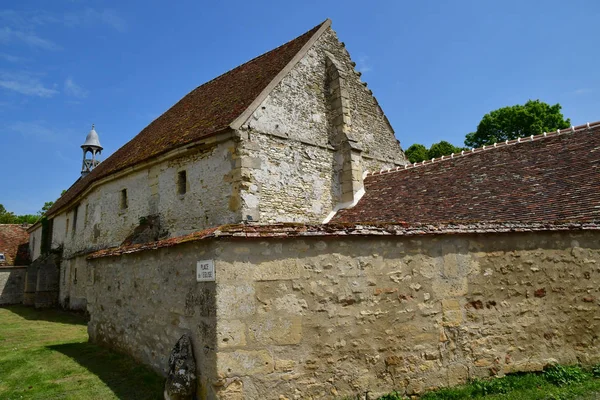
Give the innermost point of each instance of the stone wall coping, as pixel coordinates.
(6, 267)
(296, 230)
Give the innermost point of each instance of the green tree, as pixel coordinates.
(8, 217)
(507, 123)
(27, 219)
(47, 205)
(416, 153)
(442, 148)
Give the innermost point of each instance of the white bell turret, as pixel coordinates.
(93, 147)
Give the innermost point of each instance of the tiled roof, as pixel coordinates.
(14, 244)
(207, 110)
(544, 179)
(294, 230)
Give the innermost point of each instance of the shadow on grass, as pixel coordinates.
(126, 378)
(50, 315)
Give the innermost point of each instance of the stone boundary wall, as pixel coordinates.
(329, 317)
(12, 284)
(30, 285)
(48, 277)
(325, 318)
(74, 278)
(141, 304)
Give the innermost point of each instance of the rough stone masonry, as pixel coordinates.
(322, 317)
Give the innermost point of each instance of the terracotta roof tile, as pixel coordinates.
(541, 179)
(207, 110)
(14, 244)
(294, 230)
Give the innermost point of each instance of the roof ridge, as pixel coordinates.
(315, 34)
(216, 78)
(477, 150)
(209, 109)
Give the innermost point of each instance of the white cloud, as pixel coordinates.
(363, 65)
(582, 91)
(36, 130)
(26, 84)
(92, 17)
(63, 158)
(14, 19)
(21, 26)
(8, 35)
(86, 17)
(73, 89)
(10, 58)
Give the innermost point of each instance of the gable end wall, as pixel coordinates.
(292, 171)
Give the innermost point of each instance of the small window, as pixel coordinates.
(124, 202)
(2, 258)
(181, 182)
(85, 217)
(67, 226)
(75, 212)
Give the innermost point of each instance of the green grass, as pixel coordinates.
(45, 355)
(554, 383)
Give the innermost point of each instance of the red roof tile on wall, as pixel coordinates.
(548, 179)
(323, 231)
(207, 110)
(14, 244)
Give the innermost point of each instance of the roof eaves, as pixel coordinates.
(159, 157)
(33, 227)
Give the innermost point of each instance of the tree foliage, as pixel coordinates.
(47, 205)
(417, 152)
(442, 148)
(8, 217)
(507, 123)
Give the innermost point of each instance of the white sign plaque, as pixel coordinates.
(205, 271)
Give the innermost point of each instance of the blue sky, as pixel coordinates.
(436, 67)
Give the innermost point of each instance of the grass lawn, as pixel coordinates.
(46, 355)
(554, 383)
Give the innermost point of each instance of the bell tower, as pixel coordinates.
(92, 146)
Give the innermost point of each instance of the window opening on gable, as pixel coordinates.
(181, 182)
(67, 226)
(124, 201)
(85, 217)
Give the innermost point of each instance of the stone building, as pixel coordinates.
(271, 215)
(14, 258)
